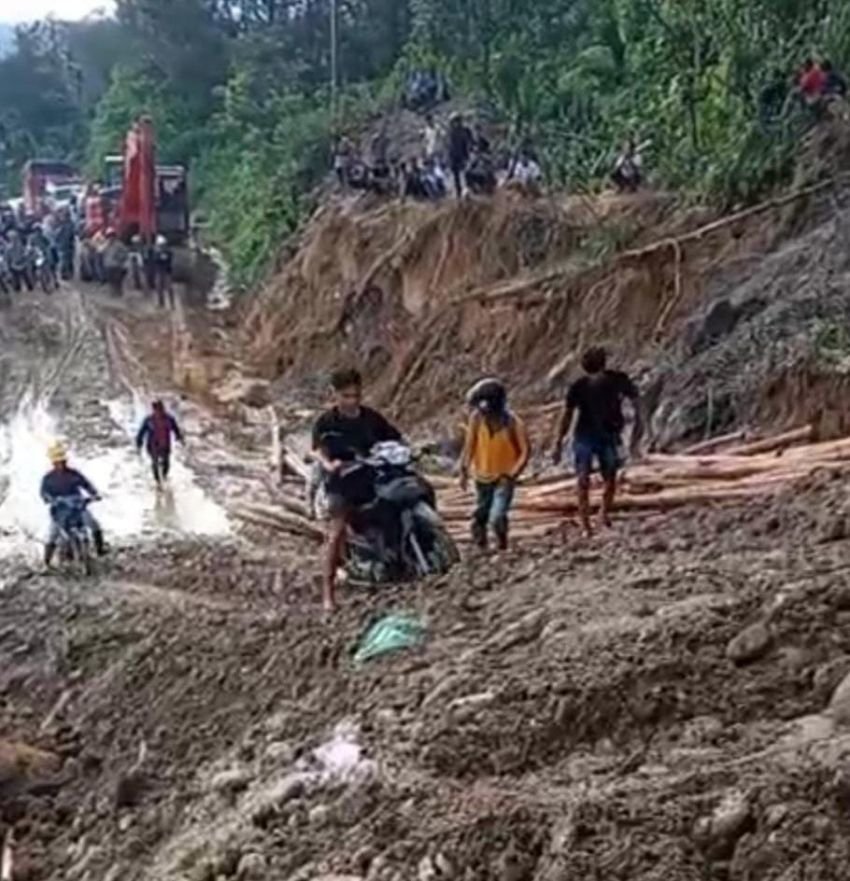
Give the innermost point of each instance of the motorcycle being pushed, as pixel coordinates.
(75, 544)
(395, 532)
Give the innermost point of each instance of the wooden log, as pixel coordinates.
(714, 443)
(293, 504)
(777, 442)
(273, 518)
(295, 463)
(7, 862)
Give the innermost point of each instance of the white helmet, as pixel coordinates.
(161, 241)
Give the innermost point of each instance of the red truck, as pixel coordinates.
(37, 174)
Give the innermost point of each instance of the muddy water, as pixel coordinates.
(131, 508)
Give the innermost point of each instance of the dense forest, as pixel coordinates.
(241, 89)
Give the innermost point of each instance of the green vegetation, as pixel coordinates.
(240, 89)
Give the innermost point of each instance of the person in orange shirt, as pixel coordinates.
(496, 453)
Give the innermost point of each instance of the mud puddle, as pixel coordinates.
(131, 508)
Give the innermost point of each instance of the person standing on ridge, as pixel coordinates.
(431, 138)
(496, 452)
(155, 435)
(596, 400)
(460, 144)
(348, 430)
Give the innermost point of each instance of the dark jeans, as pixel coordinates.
(492, 506)
(160, 465)
(164, 289)
(21, 279)
(458, 170)
(67, 265)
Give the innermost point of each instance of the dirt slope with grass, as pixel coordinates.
(731, 319)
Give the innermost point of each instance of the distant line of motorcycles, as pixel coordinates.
(37, 266)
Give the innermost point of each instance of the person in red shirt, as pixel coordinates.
(812, 81)
(155, 434)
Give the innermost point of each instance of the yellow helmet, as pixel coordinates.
(57, 452)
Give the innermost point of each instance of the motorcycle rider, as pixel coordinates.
(66, 243)
(18, 266)
(62, 482)
(497, 450)
(342, 434)
(40, 245)
(155, 433)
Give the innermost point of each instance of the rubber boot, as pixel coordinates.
(49, 551)
(99, 543)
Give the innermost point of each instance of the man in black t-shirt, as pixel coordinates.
(595, 403)
(345, 432)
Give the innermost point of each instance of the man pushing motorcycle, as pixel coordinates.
(342, 434)
(62, 483)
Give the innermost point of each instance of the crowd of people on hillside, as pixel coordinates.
(456, 159)
(60, 244)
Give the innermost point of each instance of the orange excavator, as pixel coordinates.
(140, 198)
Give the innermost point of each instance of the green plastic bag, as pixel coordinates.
(391, 634)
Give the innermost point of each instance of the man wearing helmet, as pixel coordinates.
(62, 482)
(596, 399)
(496, 452)
(155, 435)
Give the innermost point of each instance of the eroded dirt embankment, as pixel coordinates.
(728, 323)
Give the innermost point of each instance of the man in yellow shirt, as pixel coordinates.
(496, 452)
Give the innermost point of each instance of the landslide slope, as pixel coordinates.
(730, 319)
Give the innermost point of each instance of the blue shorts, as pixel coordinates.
(605, 449)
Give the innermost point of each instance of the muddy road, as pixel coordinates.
(664, 703)
(85, 388)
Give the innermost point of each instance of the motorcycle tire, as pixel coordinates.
(87, 559)
(81, 548)
(443, 554)
(444, 549)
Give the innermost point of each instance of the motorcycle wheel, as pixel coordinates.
(443, 553)
(83, 555)
(444, 549)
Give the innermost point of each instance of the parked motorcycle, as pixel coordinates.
(43, 271)
(75, 545)
(395, 533)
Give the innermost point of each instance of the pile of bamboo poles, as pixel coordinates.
(724, 469)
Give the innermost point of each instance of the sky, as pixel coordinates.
(15, 11)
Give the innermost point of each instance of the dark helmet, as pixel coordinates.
(488, 395)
